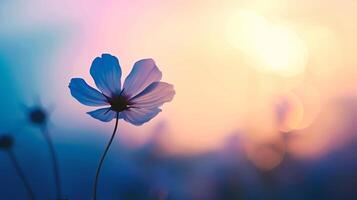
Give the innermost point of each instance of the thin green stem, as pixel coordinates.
(21, 174)
(103, 157)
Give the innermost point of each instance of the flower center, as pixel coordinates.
(119, 103)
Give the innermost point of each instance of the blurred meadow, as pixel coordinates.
(265, 105)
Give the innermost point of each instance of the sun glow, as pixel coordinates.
(271, 47)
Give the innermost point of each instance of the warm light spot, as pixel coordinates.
(272, 48)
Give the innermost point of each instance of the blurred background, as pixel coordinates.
(265, 104)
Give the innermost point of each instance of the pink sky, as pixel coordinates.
(225, 80)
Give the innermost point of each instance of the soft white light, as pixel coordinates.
(270, 47)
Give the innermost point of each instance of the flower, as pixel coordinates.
(6, 142)
(37, 115)
(139, 99)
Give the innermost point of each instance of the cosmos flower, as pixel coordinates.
(6, 144)
(137, 101)
(39, 116)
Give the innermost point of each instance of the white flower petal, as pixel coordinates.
(106, 73)
(85, 94)
(142, 75)
(103, 114)
(139, 116)
(154, 95)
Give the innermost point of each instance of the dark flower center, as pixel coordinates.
(119, 103)
(37, 116)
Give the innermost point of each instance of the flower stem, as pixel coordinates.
(54, 161)
(103, 157)
(21, 174)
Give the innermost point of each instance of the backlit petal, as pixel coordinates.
(85, 94)
(106, 73)
(154, 95)
(142, 75)
(139, 116)
(103, 114)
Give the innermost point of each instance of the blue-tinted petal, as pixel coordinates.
(154, 95)
(142, 75)
(85, 94)
(139, 116)
(106, 73)
(103, 114)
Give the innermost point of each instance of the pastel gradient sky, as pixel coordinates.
(233, 64)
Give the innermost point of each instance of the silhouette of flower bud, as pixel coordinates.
(6, 142)
(37, 116)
